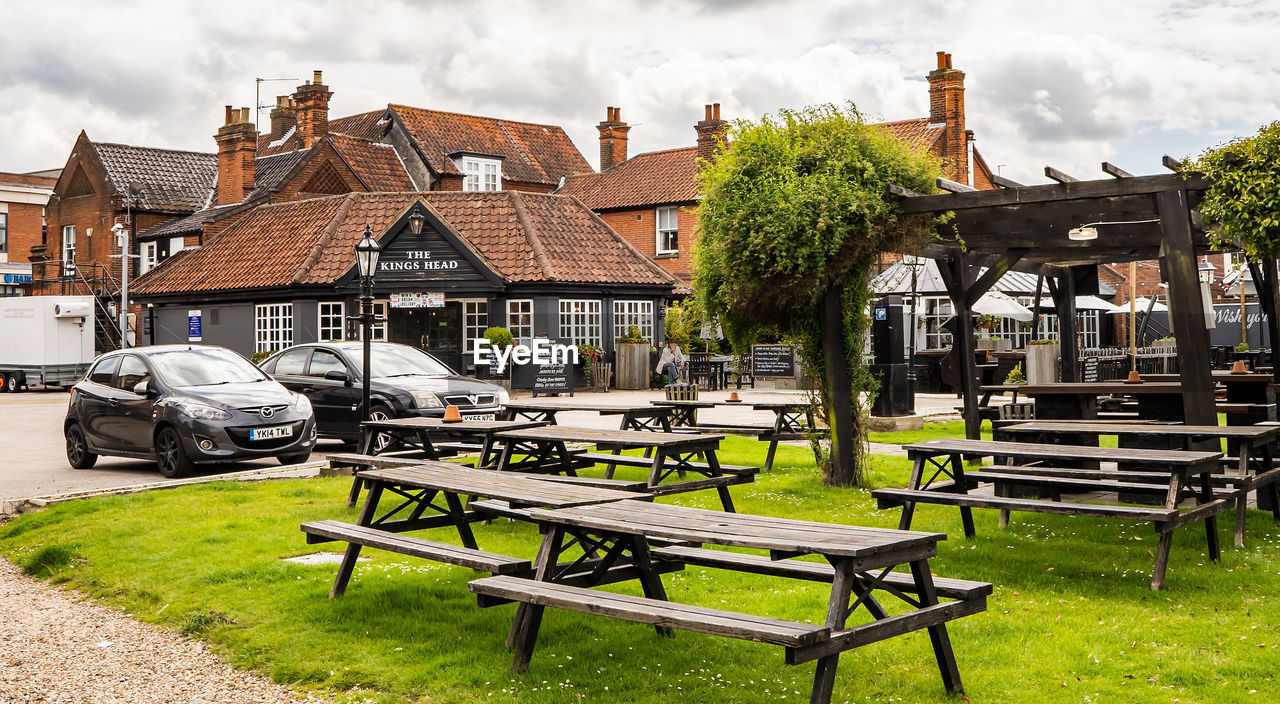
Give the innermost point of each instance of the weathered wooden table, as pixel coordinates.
(642, 416)
(1254, 462)
(792, 420)
(420, 435)
(1170, 473)
(860, 566)
(545, 449)
(432, 494)
(1079, 401)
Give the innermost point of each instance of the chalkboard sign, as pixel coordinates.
(773, 360)
(1092, 374)
(553, 379)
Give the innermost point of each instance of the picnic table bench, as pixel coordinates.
(431, 494)
(945, 458)
(860, 565)
(1253, 459)
(545, 449)
(793, 420)
(641, 416)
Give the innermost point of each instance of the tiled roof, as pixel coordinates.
(290, 141)
(651, 178)
(191, 223)
(523, 237)
(171, 180)
(365, 125)
(531, 153)
(377, 165)
(269, 171)
(917, 133)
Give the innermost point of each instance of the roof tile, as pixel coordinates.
(171, 180)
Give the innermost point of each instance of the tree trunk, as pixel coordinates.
(842, 468)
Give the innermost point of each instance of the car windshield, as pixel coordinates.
(204, 367)
(398, 361)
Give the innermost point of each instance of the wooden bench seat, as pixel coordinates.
(890, 498)
(323, 531)
(637, 461)
(1080, 485)
(637, 485)
(811, 571)
(750, 430)
(1161, 478)
(699, 619)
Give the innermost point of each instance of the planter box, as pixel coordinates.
(1042, 363)
(994, 345)
(631, 367)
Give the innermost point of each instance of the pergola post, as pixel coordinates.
(1064, 302)
(958, 275)
(1265, 281)
(1186, 309)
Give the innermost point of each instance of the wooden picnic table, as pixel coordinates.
(1253, 457)
(793, 420)
(432, 494)
(1156, 400)
(938, 476)
(859, 566)
(640, 416)
(417, 434)
(545, 449)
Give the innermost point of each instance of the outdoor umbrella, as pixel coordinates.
(1001, 305)
(1141, 304)
(1086, 303)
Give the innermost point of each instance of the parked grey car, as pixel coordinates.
(184, 405)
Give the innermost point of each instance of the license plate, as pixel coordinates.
(279, 431)
(482, 416)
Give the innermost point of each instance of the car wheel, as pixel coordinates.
(78, 453)
(383, 442)
(170, 455)
(11, 382)
(295, 459)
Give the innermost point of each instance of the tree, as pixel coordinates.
(790, 224)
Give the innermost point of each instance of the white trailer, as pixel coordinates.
(45, 340)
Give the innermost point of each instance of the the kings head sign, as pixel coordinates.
(417, 260)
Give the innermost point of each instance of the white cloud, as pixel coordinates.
(1067, 84)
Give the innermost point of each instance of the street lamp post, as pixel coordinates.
(367, 252)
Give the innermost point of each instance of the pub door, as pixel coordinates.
(436, 330)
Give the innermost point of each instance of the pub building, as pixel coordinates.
(452, 265)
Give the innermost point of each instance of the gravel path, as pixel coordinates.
(55, 649)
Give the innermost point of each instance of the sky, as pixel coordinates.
(1064, 84)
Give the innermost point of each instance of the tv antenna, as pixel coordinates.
(257, 98)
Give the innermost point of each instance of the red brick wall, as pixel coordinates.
(291, 190)
(25, 224)
(639, 227)
(450, 182)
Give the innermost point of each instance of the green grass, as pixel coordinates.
(1071, 619)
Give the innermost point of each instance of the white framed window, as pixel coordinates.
(333, 321)
(475, 320)
(379, 329)
(935, 312)
(637, 313)
(580, 322)
(668, 220)
(481, 174)
(68, 248)
(520, 320)
(273, 327)
(4, 231)
(176, 244)
(150, 256)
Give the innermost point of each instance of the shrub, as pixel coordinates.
(499, 337)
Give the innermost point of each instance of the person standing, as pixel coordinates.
(672, 362)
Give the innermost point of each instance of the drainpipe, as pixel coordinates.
(968, 142)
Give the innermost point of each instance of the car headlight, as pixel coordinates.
(503, 396)
(425, 399)
(302, 404)
(199, 411)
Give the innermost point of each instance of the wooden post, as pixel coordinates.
(1064, 301)
(840, 406)
(1265, 281)
(1035, 311)
(1133, 316)
(958, 276)
(1186, 310)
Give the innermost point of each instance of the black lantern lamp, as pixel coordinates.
(416, 221)
(367, 253)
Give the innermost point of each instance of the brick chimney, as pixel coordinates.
(613, 138)
(237, 147)
(710, 131)
(946, 105)
(312, 99)
(284, 116)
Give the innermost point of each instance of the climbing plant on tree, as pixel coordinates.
(791, 220)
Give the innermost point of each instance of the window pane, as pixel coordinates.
(323, 361)
(132, 372)
(274, 327)
(520, 321)
(332, 321)
(291, 362)
(102, 373)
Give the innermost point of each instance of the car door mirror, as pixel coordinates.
(337, 375)
(142, 388)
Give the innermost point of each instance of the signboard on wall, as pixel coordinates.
(194, 325)
(553, 379)
(773, 360)
(429, 299)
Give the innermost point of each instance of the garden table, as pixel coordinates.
(431, 494)
(859, 566)
(642, 416)
(793, 420)
(545, 449)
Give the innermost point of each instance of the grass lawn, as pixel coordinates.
(1071, 619)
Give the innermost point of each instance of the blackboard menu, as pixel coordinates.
(1092, 374)
(773, 360)
(553, 379)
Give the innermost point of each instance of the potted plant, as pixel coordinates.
(596, 372)
(1016, 376)
(631, 354)
(499, 338)
(1042, 361)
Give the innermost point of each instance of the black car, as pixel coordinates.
(404, 381)
(183, 405)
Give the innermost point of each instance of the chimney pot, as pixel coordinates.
(942, 59)
(315, 77)
(613, 138)
(715, 111)
(948, 60)
(228, 120)
(707, 112)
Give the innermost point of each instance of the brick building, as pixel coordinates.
(651, 199)
(23, 198)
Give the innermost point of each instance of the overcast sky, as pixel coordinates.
(1068, 84)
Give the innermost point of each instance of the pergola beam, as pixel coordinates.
(1106, 188)
(1113, 170)
(1059, 176)
(950, 186)
(1170, 163)
(1002, 182)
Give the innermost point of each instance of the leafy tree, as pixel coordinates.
(1243, 199)
(791, 221)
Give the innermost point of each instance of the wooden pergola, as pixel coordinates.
(1025, 228)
